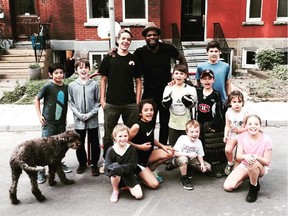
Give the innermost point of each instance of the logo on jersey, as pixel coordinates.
(204, 108)
(148, 133)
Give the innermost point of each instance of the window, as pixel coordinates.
(135, 10)
(282, 10)
(95, 59)
(248, 57)
(26, 7)
(97, 10)
(254, 10)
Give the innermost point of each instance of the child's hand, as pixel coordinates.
(225, 138)
(203, 168)
(145, 146)
(42, 120)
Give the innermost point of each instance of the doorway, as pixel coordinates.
(193, 20)
(24, 19)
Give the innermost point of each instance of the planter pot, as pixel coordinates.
(35, 73)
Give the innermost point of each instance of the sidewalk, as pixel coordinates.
(14, 118)
(23, 117)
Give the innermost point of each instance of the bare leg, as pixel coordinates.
(148, 178)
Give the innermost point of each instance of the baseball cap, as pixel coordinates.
(207, 72)
(149, 27)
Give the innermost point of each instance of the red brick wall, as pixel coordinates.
(230, 14)
(62, 18)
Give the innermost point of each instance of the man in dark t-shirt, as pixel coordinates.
(155, 58)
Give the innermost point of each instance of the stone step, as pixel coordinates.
(23, 64)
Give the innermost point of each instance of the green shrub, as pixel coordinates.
(268, 58)
(25, 94)
(13, 96)
(280, 72)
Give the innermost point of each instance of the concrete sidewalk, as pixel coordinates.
(23, 117)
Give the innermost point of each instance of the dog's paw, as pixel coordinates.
(69, 181)
(52, 183)
(41, 198)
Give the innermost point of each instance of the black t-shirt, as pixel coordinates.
(156, 68)
(120, 71)
(145, 134)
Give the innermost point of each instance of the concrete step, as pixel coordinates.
(23, 64)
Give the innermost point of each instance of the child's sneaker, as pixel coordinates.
(41, 177)
(158, 177)
(65, 168)
(185, 181)
(228, 169)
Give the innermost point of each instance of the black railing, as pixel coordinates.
(220, 38)
(176, 37)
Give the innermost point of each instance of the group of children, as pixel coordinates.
(136, 152)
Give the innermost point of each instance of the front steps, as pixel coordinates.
(14, 64)
(195, 53)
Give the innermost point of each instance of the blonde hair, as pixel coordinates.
(192, 123)
(118, 128)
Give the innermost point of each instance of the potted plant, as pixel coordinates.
(35, 71)
(1, 11)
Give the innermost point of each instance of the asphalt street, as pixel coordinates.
(90, 195)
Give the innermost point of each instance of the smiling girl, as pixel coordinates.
(120, 162)
(254, 151)
(142, 137)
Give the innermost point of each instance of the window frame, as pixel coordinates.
(135, 20)
(92, 21)
(248, 18)
(280, 19)
(244, 57)
(102, 54)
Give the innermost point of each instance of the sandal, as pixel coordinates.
(114, 197)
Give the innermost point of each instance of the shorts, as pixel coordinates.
(267, 168)
(138, 169)
(194, 162)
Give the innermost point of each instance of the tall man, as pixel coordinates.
(155, 58)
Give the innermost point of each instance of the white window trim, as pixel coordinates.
(248, 19)
(91, 57)
(244, 57)
(92, 21)
(280, 19)
(145, 20)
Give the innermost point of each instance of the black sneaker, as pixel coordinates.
(95, 171)
(81, 169)
(186, 183)
(170, 166)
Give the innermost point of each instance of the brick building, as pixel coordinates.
(245, 25)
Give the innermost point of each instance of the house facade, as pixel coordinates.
(72, 25)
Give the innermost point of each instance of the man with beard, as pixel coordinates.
(155, 58)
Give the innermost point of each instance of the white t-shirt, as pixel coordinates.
(185, 145)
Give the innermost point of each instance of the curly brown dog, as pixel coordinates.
(40, 152)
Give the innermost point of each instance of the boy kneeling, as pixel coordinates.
(189, 152)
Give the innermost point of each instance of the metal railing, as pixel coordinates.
(176, 40)
(220, 38)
